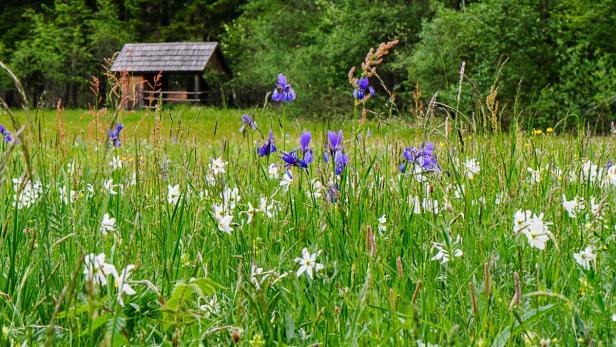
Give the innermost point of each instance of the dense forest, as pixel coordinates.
(546, 60)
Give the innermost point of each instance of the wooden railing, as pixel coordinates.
(245, 98)
(168, 95)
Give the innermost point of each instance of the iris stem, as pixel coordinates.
(284, 135)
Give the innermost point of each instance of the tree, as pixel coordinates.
(65, 48)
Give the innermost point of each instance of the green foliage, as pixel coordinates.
(553, 51)
(380, 284)
(316, 52)
(65, 42)
(555, 60)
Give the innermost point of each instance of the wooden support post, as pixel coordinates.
(197, 87)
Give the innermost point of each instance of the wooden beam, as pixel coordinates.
(197, 86)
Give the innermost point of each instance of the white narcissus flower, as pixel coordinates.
(382, 227)
(267, 209)
(223, 219)
(557, 173)
(110, 187)
(420, 343)
(595, 207)
(308, 263)
(218, 166)
(219, 211)
(173, 194)
(67, 195)
(418, 173)
(29, 194)
(444, 252)
(115, 163)
(430, 205)
(90, 190)
(96, 270)
(472, 168)
(230, 197)
(224, 224)
(574, 206)
(255, 273)
(520, 220)
(210, 180)
(108, 224)
(286, 180)
(70, 168)
(250, 212)
(272, 171)
(585, 257)
(610, 178)
(534, 175)
(591, 172)
(122, 285)
(211, 306)
(426, 205)
(533, 227)
(414, 201)
(458, 190)
(316, 189)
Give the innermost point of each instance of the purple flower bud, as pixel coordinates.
(6, 135)
(247, 122)
(341, 160)
(267, 148)
(304, 139)
(114, 135)
(282, 80)
(335, 140)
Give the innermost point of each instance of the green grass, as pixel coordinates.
(195, 125)
(376, 288)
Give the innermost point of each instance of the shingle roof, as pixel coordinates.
(168, 56)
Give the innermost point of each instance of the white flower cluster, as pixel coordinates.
(533, 227)
(28, 195)
(96, 271)
(266, 206)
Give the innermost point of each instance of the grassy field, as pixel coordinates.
(195, 125)
(185, 236)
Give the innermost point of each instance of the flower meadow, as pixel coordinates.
(308, 236)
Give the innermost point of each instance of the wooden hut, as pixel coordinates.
(170, 71)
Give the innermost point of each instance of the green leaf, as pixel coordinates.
(97, 323)
(502, 338)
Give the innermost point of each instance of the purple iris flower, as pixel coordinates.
(423, 157)
(247, 122)
(292, 158)
(269, 147)
(334, 144)
(6, 134)
(340, 160)
(283, 91)
(304, 140)
(610, 163)
(409, 153)
(360, 92)
(335, 149)
(114, 135)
